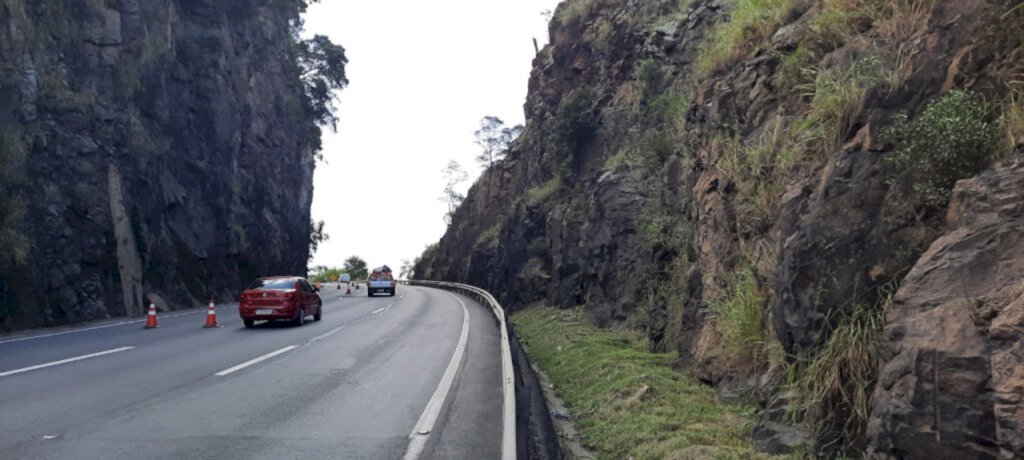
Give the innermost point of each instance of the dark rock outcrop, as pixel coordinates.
(951, 384)
(660, 194)
(161, 146)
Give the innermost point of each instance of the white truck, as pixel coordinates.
(380, 280)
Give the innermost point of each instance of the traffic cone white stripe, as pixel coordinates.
(211, 316)
(151, 317)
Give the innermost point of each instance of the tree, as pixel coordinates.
(317, 235)
(453, 176)
(494, 137)
(355, 266)
(322, 64)
(322, 274)
(406, 271)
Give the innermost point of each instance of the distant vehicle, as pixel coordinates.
(380, 280)
(289, 298)
(345, 277)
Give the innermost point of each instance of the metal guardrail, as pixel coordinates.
(508, 388)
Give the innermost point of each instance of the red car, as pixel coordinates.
(289, 298)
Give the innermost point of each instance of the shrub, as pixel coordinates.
(648, 76)
(661, 228)
(668, 107)
(951, 139)
(575, 121)
(14, 246)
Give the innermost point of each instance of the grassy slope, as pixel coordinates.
(630, 403)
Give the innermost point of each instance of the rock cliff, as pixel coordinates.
(764, 186)
(148, 146)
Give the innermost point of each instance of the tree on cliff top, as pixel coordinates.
(494, 137)
(317, 235)
(453, 176)
(323, 72)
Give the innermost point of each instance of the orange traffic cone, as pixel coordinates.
(348, 291)
(211, 316)
(151, 318)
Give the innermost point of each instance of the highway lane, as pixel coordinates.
(353, 385)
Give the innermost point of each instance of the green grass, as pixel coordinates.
(1012, 120)
(835, 382)
(572, 11)
(739, 318)
(1019, 7)
(750, 23)
(624, 158)
(837, 97)
(759, 170)
(629, 403)
(489, 235)
(669, 108)
(541, 192)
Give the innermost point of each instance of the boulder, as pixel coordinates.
(952, 352)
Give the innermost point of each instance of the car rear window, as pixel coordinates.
(379, 277)
(279, 283)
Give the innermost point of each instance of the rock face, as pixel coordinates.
(668, 188)
(152, 147)
(951, 384)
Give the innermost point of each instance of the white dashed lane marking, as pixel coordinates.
(255, 361)
(63, 361)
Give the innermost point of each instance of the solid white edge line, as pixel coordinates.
(32, 337)
(255, 360)
(119, 323)
(508, 429)
(429, 417)
(63, 361)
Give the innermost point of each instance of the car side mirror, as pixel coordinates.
(316, 289)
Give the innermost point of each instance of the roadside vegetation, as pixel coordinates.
(14, 246)
(628, 402)
(954, 135)
(355, 266)
(831, 72)
(951, 139)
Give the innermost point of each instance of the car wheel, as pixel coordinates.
(249, 323)
(392, 293)
(301, 318)
(319, 312)
(369, 293)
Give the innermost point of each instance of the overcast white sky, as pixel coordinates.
(422, 74)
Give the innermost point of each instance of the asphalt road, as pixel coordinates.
(354, 385)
